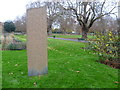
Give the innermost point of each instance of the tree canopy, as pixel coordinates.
(9, 26)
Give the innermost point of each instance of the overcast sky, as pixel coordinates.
(10, 9)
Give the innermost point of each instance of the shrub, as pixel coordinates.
(106, 46)
(81, 39)
(12, 43)
(16, 46)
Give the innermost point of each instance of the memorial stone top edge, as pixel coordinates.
(36, 8)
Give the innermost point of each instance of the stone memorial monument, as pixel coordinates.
(37, 41)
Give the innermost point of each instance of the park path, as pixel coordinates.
(70, 39)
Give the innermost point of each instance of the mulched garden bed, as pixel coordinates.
(110, 63)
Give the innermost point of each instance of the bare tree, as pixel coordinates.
(88, 12)
(65, 21)
(20, 23)
(53, 9)
(105, 24)
(53, 13)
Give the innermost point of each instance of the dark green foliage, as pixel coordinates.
(81, 39)
(9, 26)
(54, 36)
(16, 46)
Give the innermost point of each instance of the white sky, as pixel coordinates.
(10, 9)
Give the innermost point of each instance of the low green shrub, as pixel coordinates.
(81, 39)
(106, 46)
(16, 46)
(13, 44)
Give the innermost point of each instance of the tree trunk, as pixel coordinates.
(49, 25)
(84, 33)
(49, 29)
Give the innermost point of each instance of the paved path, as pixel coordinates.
(70, 39)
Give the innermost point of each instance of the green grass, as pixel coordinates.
(0, 68)
(0, 62)
(21, 37)
(69, 67)
(71, 36)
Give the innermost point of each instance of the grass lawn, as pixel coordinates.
(0, 67)
(69, 67)
(21, 37)
(71, 36)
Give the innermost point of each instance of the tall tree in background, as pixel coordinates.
(9, 26)
(53, 11)
(106, 24)
(20, 23)
(66, 21)
(88, 12)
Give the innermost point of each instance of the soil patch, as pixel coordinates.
(110, 63)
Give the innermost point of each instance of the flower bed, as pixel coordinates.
(106, 46)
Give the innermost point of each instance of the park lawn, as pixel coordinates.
(21, 37)
(0, 67)
(69, 66)
(71, 36)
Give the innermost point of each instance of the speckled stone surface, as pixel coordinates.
(37, 41)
